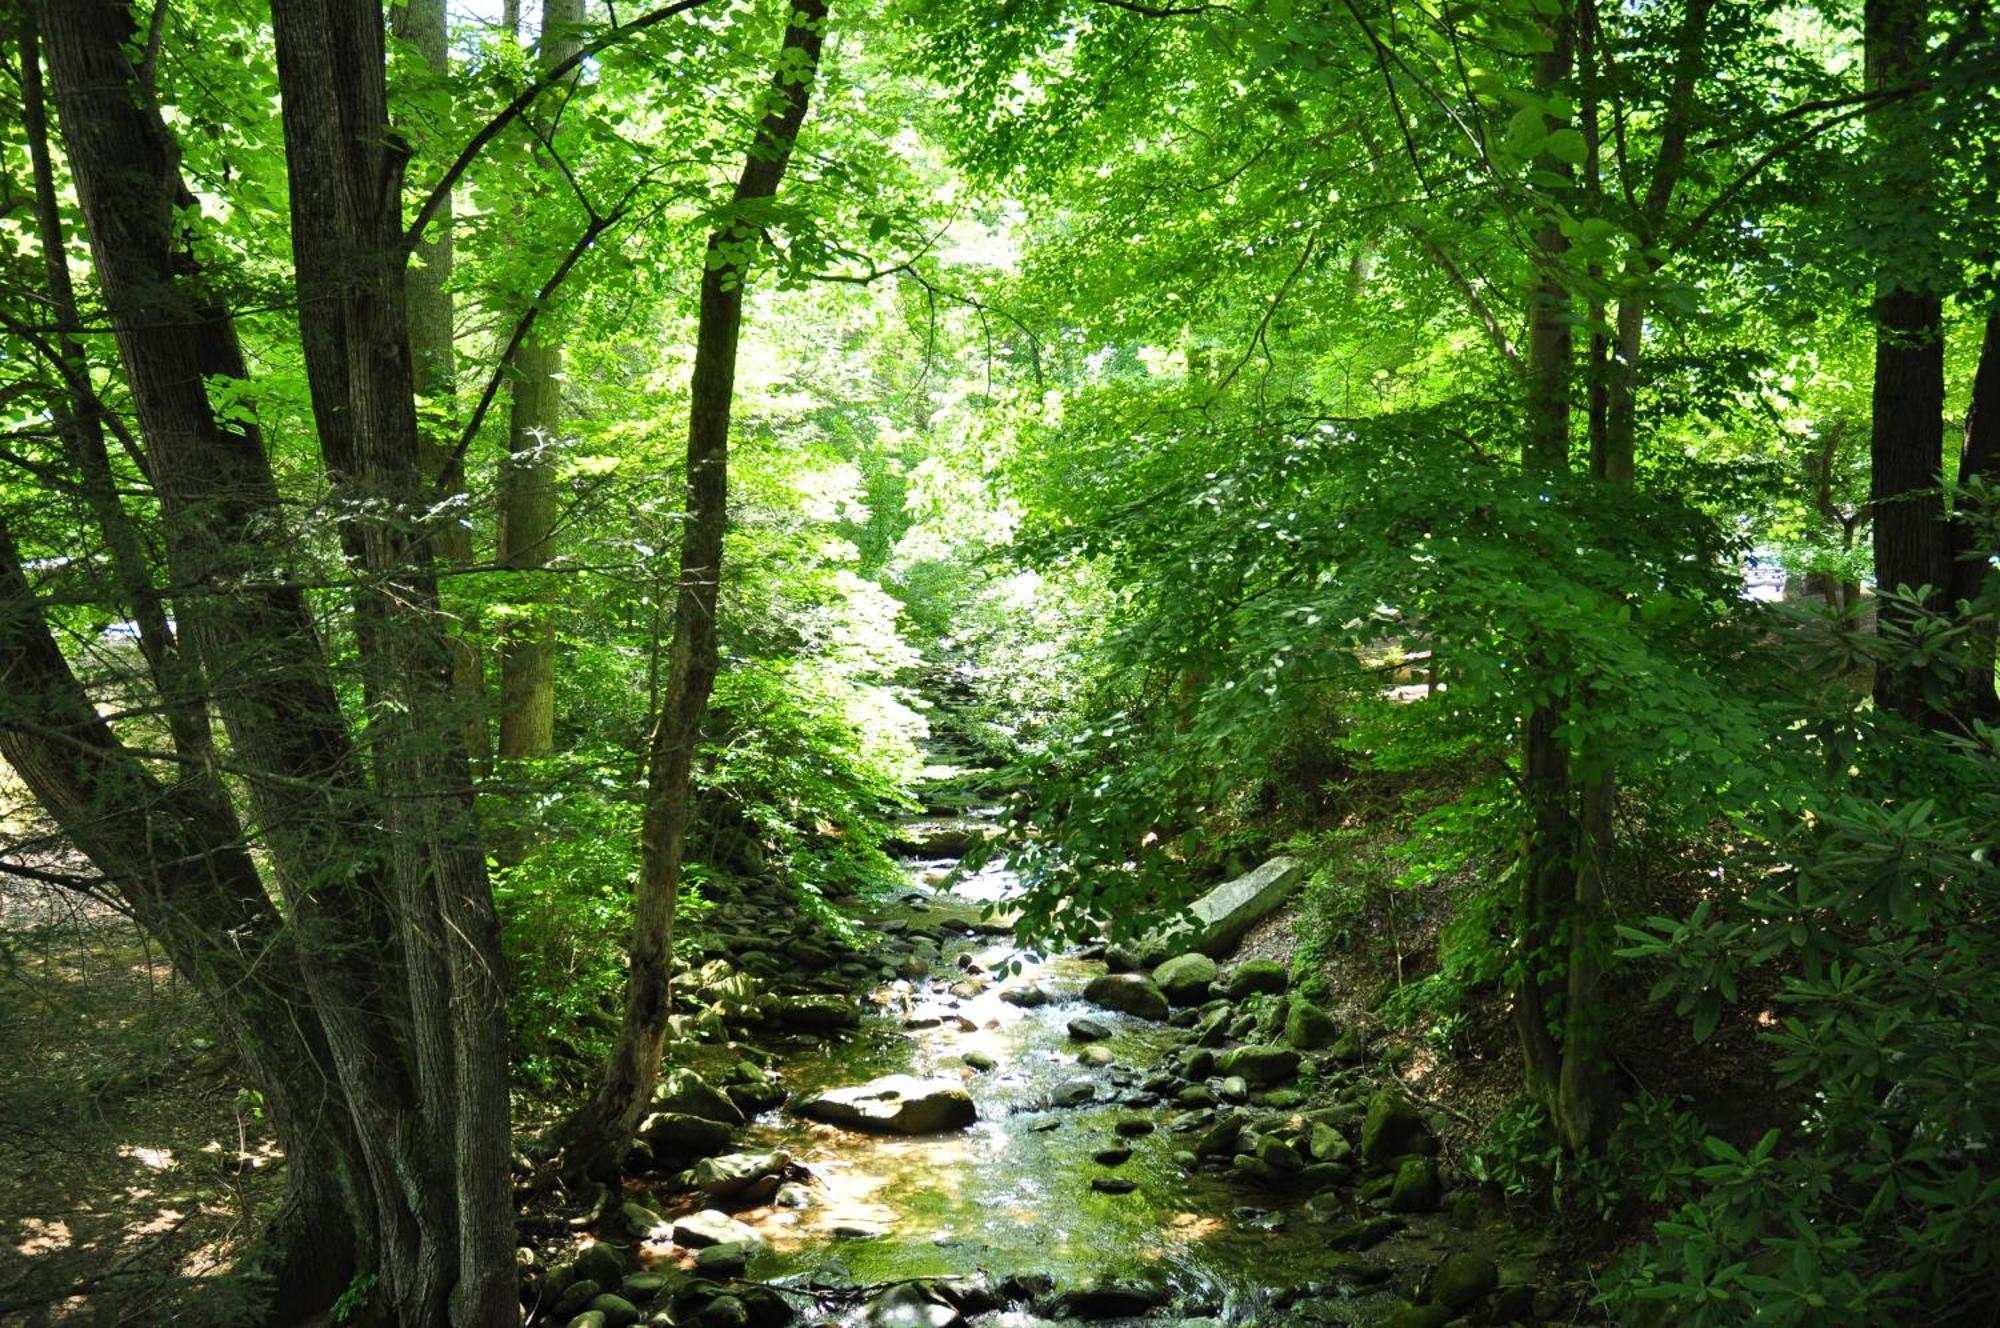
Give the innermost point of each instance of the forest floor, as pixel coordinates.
(132, 1159)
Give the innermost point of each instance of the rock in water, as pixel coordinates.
(912, 1305)
(895, 1104)
(698, 1231)
(1129, 993)
(1187, 979)
(734, 1173)
(819, 1014)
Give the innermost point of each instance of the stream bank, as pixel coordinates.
(901, 1117)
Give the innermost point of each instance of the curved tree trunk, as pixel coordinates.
(595, 1139)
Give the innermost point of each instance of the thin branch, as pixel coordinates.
(1270, 312)
(554, 75)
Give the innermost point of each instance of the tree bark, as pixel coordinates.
(1906, 439)
(345, 166)
(595, 1139)
(527, 494)
(175, 677)
(1972, 533)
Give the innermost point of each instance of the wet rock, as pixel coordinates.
(1111, 1299)
(1133, 1127)
(1097, 1056)
(676, 1134)
(1462, 1279)
(736, 1174)
(1221, 1139)
(913, 1305)
(587, 1319)
(1186, 980)
(1112, 1185)
(1417, 1187)
(1280, 1099)
(1111, 1157)
(1234, 1089)
(688, 1094)
(795, 1195)
(1027, 998)
(1074, 1093)
(895, 1104)
(1121, 958)
(818, 1014)
(1260, 1064)
(1256, 977)
(1086, 1029)
(1393, 1124)
(980, 1061)
(1129, 993)
(1309, 1028)
(698, 1231)
(1195, 1095)
(1200, 1063)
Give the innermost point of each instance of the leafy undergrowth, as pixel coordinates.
(1406, 938)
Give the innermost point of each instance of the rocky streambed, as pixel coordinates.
(920, 1124)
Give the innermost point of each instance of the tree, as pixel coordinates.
(527, 487)
(1906, 440)
(595, 1138)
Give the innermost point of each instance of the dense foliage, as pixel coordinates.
(1533, 459)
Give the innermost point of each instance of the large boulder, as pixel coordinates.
(1309, 1028)
(895, 1104)
(734, 1174)
(1218, 921)
(1392, 1125)
(1261, 1065)
(1186, 979)
(818, 1014)
(698, 1231)
(1462, 1279)
(1256, 977)
(1129, 993)
(676, 1134)
(689, 1094)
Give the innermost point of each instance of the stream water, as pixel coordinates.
(1013, 1194)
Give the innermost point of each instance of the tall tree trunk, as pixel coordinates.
(386, 894)
(345, 171)
(595, 1139)
(433, 358)
(1906, 439)
(175, 676)
(1972, 534)
(528, 489)
(1559, 1035)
